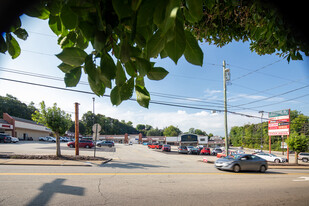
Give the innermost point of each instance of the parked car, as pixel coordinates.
(205, 151)
(130, 143)
(64, 139)
(194, 150)
(82, 143)
(42, 139)
(159, 146)
(5, 138)
(189, 148)
(231, 153)
(50, 139)
(166, 148)
(240, 152)
(271, 157)
(242, 162)
(14, 139)
(152, 146)
(216, 151)
(303, 156)
(257, 150)
(183, 149)
(105, 143)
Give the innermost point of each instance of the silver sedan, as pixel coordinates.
(242, 162)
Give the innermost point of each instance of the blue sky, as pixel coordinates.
(258, 83)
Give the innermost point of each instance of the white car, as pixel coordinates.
(271, 157)
(14, 139)
(50, 139)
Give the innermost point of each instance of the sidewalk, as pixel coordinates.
(39, 162)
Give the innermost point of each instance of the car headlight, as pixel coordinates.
(227, 163)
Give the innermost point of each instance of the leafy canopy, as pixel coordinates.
(53, 118)
(135, 32)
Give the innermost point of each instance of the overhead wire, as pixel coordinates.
(131, 99)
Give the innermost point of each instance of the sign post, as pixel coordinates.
(279, 125)
(96, 128)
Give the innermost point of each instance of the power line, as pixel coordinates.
(131, 99)
(293, 90)
(256, 70)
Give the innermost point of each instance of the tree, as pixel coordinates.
(298, 143)
(55, 119)
(171, 131)
(154, 132)
(135, 32)
(14, 107)
(200, 132)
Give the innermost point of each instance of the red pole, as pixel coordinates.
(76, 130)
(269, 144)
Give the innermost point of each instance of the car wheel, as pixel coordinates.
(99, 145)
(236, 168)
(263, 169)
(71, 146)
(305, 160)
(277, 161)
(87, 146)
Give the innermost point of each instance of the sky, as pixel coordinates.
(258, 83)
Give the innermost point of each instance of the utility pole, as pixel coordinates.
(76, 130)
(226, 77)
(95, 139)
(261, 112)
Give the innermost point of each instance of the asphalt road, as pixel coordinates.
(141, 176)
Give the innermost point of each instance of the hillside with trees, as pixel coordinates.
(250, 135)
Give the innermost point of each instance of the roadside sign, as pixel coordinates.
(279, 123)
(284, 145)
(96, 128)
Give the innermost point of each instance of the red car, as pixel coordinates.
(152, 146)
(166, 148)
(82, 143)
(205, 151)
(159, 146)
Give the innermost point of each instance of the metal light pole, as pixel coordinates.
(261, 112)
(95, 140)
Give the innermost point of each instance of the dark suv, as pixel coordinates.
(5, 138)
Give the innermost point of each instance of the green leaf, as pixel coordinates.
(55, 24)
(65, 68)
(155, 45)
(135, 4)
(108, 68)
(87, 29)
(142, 66)
(72, 56)
(97, 88)
(68, 18)
(193, 53)
(120, 75)
(115, 96)
(99, 41)
(195, 8)
(159, 12)
(72, 78)
(21, 33)
(38, 11)
(122, 8)
(176, 47)
(3, 47)
(90, 67)
(130, 68)
(145, 13)
(142, 96)
(157, 73)
(12, 46)
(127, 88)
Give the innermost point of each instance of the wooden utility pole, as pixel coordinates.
(225, 78)
(76, 129)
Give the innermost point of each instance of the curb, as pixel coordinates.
(45, 163)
